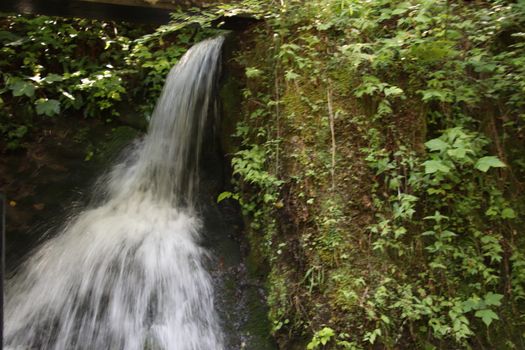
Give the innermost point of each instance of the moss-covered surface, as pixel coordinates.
(398, 237)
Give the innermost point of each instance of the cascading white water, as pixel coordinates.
(128, 273)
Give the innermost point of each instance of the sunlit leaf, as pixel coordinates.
(433, 166)
(487, 316)
(485, 163)
(436, 145)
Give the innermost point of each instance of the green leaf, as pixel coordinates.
(485, 163)
(431, 94)
(393, 91)
(447, 234)
(436, 145)
(458, 153)
(291, 75)
(21, 87)
(51, 78)
(487, 316)
(508, 213)
(253, 72)
(493, 299)
(223, 196)
(226, 195)
(18, 132)
(433, 166)
(471, 304)
(47, 107)
(385, 319)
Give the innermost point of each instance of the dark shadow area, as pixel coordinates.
(82, 9)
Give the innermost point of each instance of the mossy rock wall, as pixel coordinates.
(366, 243)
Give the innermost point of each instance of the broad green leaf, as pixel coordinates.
(493, 299)
(508, 213)
(471, 304)
(402, 8)
(447, 234)
(439, 95)
(51, 78)
(485, 163)
(253, 72)
(433, 166)
(268, 198)
(437, 265)
(47, 107)
(21, 87)
(393, 91)
(223, 196)
(399, 232)
(487, 316)
(436, 145)
(291, 75)
(458, 153)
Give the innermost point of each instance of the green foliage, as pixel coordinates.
(63, 68)
(249, 165)
(47, 107)
(21, 88)
(434, 92)
(485, 163)
(462, 254)
(321, 338)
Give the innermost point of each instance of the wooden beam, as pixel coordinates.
(139, 11)
(160, 4)
(84, 9)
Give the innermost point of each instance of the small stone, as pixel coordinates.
(39, 206)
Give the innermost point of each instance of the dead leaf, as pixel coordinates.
(39, 206)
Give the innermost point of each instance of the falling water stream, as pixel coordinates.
(129, 273)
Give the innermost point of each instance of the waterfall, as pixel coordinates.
(128, 273)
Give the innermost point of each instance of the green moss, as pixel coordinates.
(361, 258)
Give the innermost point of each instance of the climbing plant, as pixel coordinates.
(393, 132)
(379, 158)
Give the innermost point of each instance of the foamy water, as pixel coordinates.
(128, 273)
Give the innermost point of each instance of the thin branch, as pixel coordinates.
(332, 128)
(277, 118)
